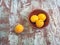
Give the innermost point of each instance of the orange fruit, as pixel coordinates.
(19, 28)
(42, 16)
(39, 23)
(34, 18)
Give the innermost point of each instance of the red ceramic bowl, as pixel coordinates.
(36, 12)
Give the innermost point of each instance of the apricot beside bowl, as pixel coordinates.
(36, 12)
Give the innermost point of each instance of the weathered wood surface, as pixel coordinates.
(13, 12)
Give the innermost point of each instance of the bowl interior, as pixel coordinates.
(36, 12)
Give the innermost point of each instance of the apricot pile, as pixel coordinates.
(38, 19)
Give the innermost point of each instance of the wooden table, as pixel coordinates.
(13, 12)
